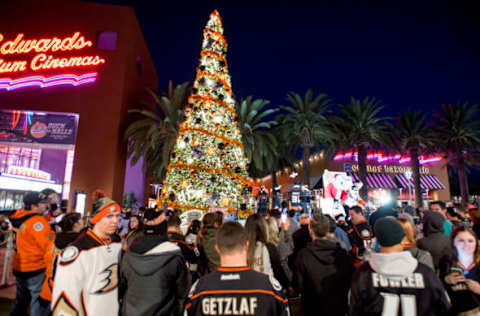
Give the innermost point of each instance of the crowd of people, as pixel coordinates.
(389, 262)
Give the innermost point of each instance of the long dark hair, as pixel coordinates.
(69, 220)
(476, 254)
(140, 224)
(208, 221)
(256, 228)
(194, 227)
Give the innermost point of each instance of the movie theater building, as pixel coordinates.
(69, 73)
(387, 175)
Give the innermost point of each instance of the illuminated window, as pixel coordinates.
(19, 157)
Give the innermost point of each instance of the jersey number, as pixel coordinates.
(391, 303)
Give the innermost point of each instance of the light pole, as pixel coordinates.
(408, 175)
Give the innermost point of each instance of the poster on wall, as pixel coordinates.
(35, 127)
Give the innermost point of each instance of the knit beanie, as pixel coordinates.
(389, 232)
(102, 206)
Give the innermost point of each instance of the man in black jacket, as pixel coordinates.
(435, 240)
(323, 272)
(360, 235)
(154, 277)
(235, 289)
(301, 238)
(191, 254)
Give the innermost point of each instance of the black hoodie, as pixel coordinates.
(435, 241)
(323, 277)
(154, 277)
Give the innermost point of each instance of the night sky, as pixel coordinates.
(420, 54)
(407, 56)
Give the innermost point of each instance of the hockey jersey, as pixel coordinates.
(360, 236)
(86, 278)
(236, 291)
(396, 284)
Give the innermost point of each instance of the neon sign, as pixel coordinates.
(45, 82)
(384, 158)
(45, 59)
(28, 173)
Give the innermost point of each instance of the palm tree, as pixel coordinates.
(284, 158)
(303, 126)
(411, 134)
(153, 132)
(457, 134)
(358, 128)
(258, 141)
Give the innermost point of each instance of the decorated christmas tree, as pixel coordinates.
(207, 165)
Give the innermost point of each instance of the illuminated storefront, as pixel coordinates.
(388, 176)
(69, 73)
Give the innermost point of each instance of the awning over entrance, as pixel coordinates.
(429, 182)
(378, 180)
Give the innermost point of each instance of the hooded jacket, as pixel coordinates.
(435, 241)
(397, 284)
(209, 256)
(154, 278)
(323, 274)
(32, 239)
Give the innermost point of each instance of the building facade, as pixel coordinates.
(386, 175)
(69, 73)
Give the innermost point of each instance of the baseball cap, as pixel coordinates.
(48, 191)
(34, 198)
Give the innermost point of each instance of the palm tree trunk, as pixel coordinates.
(462, 179)
(414, 164)
(362, 171)
(306, 165)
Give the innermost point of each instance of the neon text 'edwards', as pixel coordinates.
(23, 46)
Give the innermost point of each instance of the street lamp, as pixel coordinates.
(408, 175)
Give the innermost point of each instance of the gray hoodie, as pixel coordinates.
(396, 264)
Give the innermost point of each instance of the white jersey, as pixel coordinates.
(86, 278)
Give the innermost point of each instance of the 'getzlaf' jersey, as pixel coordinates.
(418, 294)
(237, 291)
(86, 278)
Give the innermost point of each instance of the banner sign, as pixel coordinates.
(31, 127)
(389, 169)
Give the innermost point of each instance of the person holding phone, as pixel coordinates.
(461, 274)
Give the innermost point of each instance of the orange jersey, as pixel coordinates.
(32, 238)
(50, 260)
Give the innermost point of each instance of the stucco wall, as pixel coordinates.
(100, 152)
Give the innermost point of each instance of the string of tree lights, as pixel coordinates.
(208, 167)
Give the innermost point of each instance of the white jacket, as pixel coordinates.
(86, 278)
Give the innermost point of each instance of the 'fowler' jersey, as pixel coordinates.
(418, 294)
(86, 279)
(237, 291)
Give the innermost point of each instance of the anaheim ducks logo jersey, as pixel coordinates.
(86, 279)
(237, 291)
